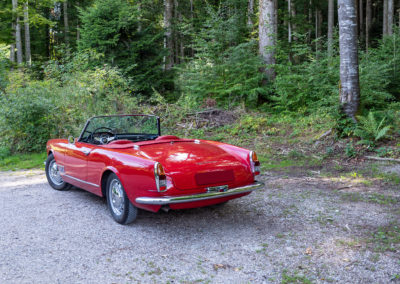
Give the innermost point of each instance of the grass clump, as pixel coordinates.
(22, 161)
(294, 278)
(386, 238)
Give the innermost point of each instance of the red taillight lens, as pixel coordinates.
(161, 179)
(255, 163)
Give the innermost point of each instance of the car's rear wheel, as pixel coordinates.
(53, 174)
(120, 207)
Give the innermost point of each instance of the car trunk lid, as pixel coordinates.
(192, 164)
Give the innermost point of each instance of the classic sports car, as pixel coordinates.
(126, 159)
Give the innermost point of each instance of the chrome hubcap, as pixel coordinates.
(117, 197)
(54, 173)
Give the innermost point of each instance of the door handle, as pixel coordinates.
(86, 152)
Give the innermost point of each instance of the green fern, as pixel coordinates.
(369, 130)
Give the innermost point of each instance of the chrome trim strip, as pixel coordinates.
(77, 179)
(198, 197)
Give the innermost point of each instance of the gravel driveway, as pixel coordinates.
(296, 229)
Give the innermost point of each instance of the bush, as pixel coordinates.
(32, 111)
(370, 130)
(26, 118)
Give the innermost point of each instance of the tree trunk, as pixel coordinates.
(361, 19)
(368, 22)
(175, 34)
(385, 17)
(78, 35)
(390, 16)
(139, 7)
(357, 17)
(318, 26)
(12, 46)
(12, 53)
(66, 24)
(250, 13)
(290, 21)
(18, 40)
(310, 13)
(331, 14)
(267, 34)
(191, 23)
(27, 34)
(349, 78)
(168, 40)
(292, 16)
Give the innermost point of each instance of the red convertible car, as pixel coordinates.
(126, 159)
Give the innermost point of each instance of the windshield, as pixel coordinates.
(131, 127)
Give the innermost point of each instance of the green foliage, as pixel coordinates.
(344, 125)
(113, 28)
(386, 238)
(369, 130)
(225, 67)
(250, 124)
(308, 81)
(350, 151)
(33, 111)
(26, 116)
(294, 278)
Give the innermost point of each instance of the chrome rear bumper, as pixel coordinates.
(198, 197)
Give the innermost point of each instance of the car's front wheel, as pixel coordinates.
(120, 207)
(53, 174)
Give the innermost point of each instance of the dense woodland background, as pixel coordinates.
(267, 63)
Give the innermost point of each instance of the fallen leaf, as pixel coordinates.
(218, 266)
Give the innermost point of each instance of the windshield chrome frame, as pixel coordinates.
(114, 115)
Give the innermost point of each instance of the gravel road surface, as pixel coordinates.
(296, 228)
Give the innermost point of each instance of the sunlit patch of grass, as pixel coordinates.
(354, 178)
(294, 159)
(23, 161)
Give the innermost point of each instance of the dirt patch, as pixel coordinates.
(209, 119)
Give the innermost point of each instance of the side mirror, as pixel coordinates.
(71, 140)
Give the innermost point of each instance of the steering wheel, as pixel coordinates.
(105, 136)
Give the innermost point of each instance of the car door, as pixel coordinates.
(75, 160)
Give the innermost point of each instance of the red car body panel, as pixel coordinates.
(191, 166)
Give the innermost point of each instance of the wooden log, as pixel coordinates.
(382, 159)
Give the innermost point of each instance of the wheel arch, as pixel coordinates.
(104, 177)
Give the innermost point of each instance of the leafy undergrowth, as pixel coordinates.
(285, 143)
(22, 161)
